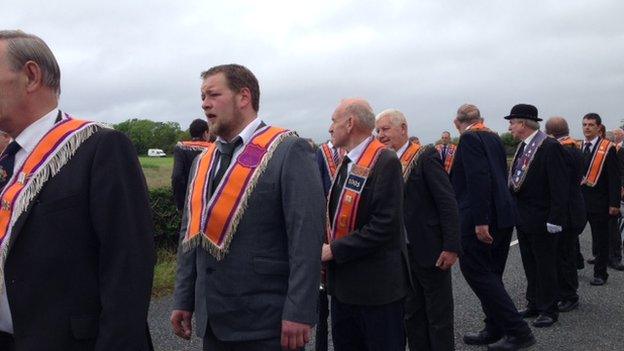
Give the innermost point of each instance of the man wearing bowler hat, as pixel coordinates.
(539, 183)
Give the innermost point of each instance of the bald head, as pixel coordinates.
(557, 127)
(352, 121)
(361, 111)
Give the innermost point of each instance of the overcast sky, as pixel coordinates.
(142, 59)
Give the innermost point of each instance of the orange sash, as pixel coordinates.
(214, 223)
(343, 222)
(450, 154)
(198, 145)
(17, 194)
(328, 157)
(597, 162)
(567, 141)
(407, 159)
(478, 127)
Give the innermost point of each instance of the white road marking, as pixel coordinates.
(513, 243)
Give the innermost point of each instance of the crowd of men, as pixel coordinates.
(374, 218)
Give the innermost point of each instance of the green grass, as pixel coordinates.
(164, 272)
(157, 170)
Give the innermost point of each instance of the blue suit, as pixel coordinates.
(479, 177)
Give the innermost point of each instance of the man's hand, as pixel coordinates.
(614, 211)
(294, 335)
(181, 323)
(446, 260)
(326, 253)
(483, 233)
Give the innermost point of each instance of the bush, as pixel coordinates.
(166, 217)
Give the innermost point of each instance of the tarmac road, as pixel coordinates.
(597, 325)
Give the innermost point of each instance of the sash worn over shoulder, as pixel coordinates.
(516, 179)
(568, 142)
(47, 158)
(328, 157)
(479, 127)
(597, 163)
(196, 145)
(408, 158)
(346, 212)
(214, 223)
(450, 155)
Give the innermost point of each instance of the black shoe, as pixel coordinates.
(482, 337)
(529, 313)
(591, 260)
(567, 306)
(512, 343)
(597, 281)
(543, 321)
(618, 266)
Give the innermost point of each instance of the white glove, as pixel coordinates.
(552, 228)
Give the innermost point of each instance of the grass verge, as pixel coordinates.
(164, 272)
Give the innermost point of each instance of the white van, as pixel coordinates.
(156, 153)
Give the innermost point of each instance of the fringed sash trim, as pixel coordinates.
(567, 141)
(328, 157)
(193, 145)
(408, 158)
(52, 152)
(597, 163)
(344, 219)
(212, 224)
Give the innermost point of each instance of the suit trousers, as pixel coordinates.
(482, 266)
(599, 223)
(322, 327)
(567, 274)
(367, 328)
(429, 310)
(212, 343)
(539, 258)
(6, 342)
(615, 241)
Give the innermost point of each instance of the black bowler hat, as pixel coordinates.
(525, 111)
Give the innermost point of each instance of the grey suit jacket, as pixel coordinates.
(272, 270)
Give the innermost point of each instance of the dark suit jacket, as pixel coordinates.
(325, 178)
(543, 196)
(620, 157)
(576, 204)
(479, 177)
(272, 270)
(182, 161)
(369, 265)
(79, 273)
(430, 209)
(606, 193)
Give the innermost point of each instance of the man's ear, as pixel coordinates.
(244, 98)
(33, 75)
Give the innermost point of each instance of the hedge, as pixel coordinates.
(166, 217)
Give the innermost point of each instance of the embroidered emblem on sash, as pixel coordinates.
(518, 174)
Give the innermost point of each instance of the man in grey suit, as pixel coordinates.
(256, 286)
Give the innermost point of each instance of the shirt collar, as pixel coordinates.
(30, 137)
(528, 139)
(330, 144)
(246, 133)
(402, 149)
(593, 141)
(354, 155)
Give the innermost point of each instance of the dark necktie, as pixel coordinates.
(518, 156)
(7, 162)
(226, 150)
(337, 189)
(587, 149)
(444, 153)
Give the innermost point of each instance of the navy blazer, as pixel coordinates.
(479, 177)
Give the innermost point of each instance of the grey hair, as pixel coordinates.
(610, 136)
(23, 47)
(531, 124)
(363, 112)
(396, 117)
(468, 113)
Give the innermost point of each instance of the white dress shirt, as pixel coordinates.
(245, 136)
(27, 139)
(402, 149)
(354, 155)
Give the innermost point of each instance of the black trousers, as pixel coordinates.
(482, 266)
(6, 342)
(599, 223)
(212, 343)
(321, 327)
(539, 258)
(367, 328)
(615, 241)
(429, 310)
(567, 274)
